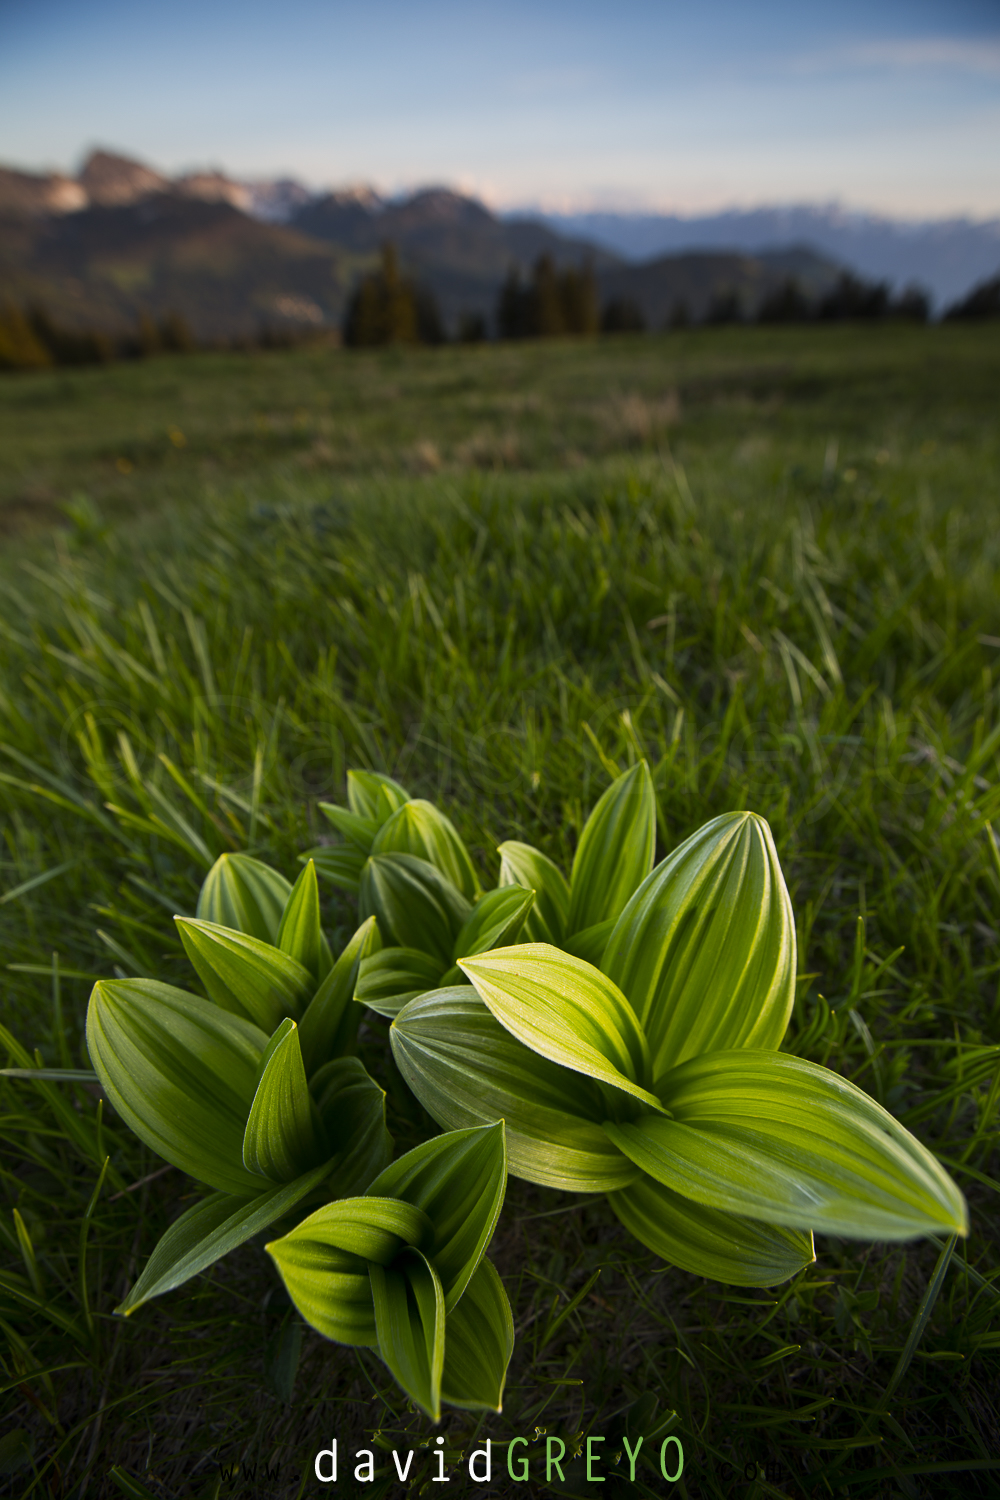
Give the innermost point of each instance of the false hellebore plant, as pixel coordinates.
(656, 1078)
(407, 865)
(250, 1091)
(403, 1269)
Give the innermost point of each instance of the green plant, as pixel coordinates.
(381, 818)
(613, 856)
(250, 1091)
(391, 977)
(408, 866)
(717, 1152)
(656, 1078)
(403, 1269)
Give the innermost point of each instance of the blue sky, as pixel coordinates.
(884, 105)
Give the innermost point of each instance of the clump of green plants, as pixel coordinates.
(630, 1048)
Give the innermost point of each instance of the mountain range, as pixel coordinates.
(120, 240)
(945, 256)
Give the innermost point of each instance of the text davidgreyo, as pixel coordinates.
(330, 1466)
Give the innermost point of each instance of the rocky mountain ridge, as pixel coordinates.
(108, 180)
(121, 242)
(945, 256)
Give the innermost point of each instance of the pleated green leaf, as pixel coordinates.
(391, 977)
(372, 795)
(181, 1073)
(341, 866)
(357, 830)
(467, 1070)
(416, 906)
(209, 1230)
(521, 864)
(705, 949)
(242, 892)
(788, 1142)
(244, 975)
(479, 1340)
(708, 1241)
(352, 1111)
(284, 1136)
(331, 1290)
(410, 1320)
(324, 1262)
(418, 828)
(565, 1010)
(615, 852)
(329, 1026)
(373, 1228)
(458, 1180)
(495, 921)
(301, 933)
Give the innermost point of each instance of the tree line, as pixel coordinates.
(32, 339)
(388, 306)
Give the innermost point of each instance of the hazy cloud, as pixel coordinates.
(938, 53)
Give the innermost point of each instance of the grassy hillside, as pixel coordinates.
(747, 408)
(766, 561)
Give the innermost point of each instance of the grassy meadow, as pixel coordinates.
(765, 560)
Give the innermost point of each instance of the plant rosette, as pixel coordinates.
(409, 869)
(390, 977)
(403, 1269)
(251, 1090)
(382, 820)
(657, 1080)
(407, 865)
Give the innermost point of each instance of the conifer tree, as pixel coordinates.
(552, 304)
(390, 308)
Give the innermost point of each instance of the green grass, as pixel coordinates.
(312, 420)
(767, 561)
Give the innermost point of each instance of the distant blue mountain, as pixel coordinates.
(945, 256)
